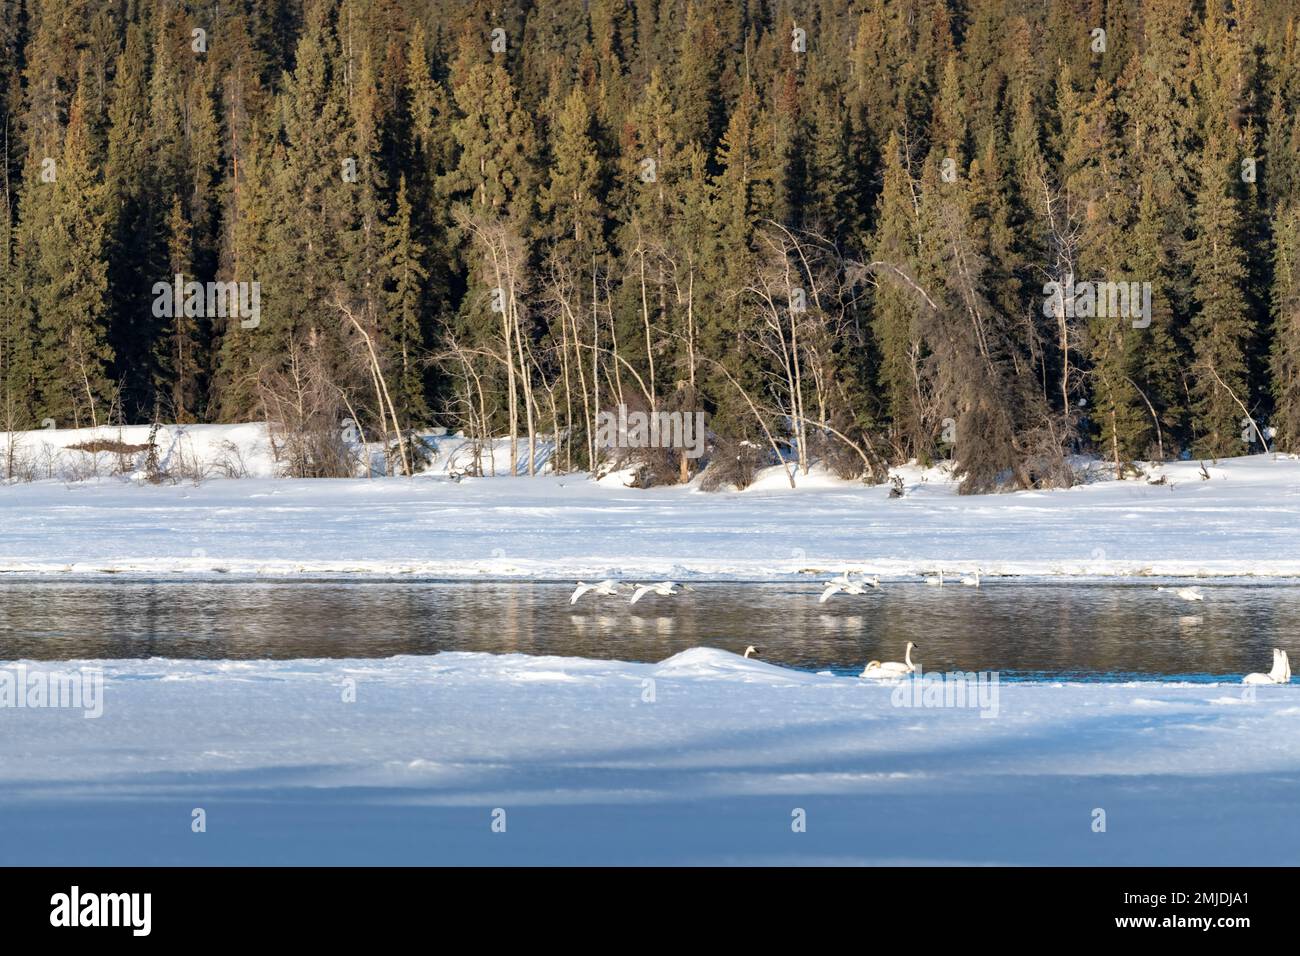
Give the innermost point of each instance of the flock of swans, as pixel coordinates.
(848, 582)
(851, 583)
(610, 588)
(856, 583)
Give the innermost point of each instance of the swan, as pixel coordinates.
(751, 650)
(845, 587)
(972, 580)
(936, 581)
(1280, 674)
(856, 577)
(1187, 594)
(607, 588)
(892, 668)
(663, 589)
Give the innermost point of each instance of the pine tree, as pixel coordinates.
(1221, 329)
(177, 363)
(570, 201)
(404, 323)
(697, 86)
(71, 300)
(896, 306)
(1285, 353)
(495, 138)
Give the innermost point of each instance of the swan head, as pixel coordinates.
(751, 650)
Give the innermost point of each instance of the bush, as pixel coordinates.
(734, 462)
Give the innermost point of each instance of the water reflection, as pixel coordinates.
(1021, 629)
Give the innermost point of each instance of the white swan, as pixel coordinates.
(607, 588)
(751, 650)
(972, 580)
(841, 587)
(856, 577)
(663, 589)
(1187, 594)
(936, 581)
(892, 668)
(1280, 674)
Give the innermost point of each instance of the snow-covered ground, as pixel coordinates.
(702, 758)
(1243, 520)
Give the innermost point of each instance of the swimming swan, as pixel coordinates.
(936, 581)
(751, 650)
(1187, 594)
(1280, 674)
(607, 588)
(892, 668)
(972, 580)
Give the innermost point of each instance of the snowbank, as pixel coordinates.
(205, 452)
(703, 758)
(1244, 519)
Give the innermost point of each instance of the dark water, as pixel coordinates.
(1024, 630)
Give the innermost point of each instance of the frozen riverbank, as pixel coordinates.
(703, 758)
(1243, 520)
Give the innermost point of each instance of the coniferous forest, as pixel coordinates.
(852, 231)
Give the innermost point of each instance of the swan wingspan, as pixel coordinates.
(607, 587)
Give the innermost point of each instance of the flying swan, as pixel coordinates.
(1280, 674)
(663, 589)
(607, 588)
(843, 586)
(892, 668)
